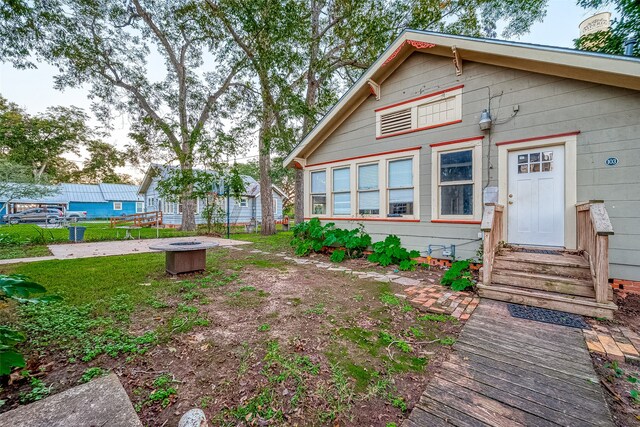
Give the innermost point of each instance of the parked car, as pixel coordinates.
(75, 216)
(50, 215)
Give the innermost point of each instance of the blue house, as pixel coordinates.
(99, 201)
(245, 209)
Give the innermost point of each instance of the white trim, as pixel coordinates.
(476, 146)
(141, 207)
(117, 206)
(383, 168)
(570, 179)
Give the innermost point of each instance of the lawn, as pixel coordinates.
(255, 340)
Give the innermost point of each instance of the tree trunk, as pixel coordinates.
(188, 205)
(266, 192)
(299, 196)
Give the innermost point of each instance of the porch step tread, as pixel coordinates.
(544, 282)
(564, 259)
(569, 303)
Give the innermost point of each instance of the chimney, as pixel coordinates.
(630, 45)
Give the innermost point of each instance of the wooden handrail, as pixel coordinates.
(144, 219)
(593, 229)
(491, 227)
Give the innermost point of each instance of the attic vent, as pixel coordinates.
(397, 121)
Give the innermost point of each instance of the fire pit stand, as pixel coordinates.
(185, 257)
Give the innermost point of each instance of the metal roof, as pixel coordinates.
(88, 193)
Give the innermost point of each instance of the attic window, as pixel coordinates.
(395, 122)
(425, 112)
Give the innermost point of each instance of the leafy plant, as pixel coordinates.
(390, 251)
(39, 390)
(264, 327)
(18, 288)
(458, 277)
(92, 373)
(635, 395)
(312, 236)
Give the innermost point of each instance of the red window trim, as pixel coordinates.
(419, 98)
(364, 156)
(364, 219)
(456, 221)
(456, 141)
(419, 129)
(537, 138)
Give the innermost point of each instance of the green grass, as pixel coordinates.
(24, 251)
(279, 242)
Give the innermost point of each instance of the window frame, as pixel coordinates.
(349, 192)
(243, 202)
(358, 191)
(382, 160)
(141, 205)
(476, 155)
(326, 187)
(117, 206)
(415, 104)
(388, 189)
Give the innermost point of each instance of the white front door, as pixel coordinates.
(535, 203)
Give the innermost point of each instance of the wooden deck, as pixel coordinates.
(513, 372)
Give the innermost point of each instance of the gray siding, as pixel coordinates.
(607, 117)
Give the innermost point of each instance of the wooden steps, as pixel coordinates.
(559, 281)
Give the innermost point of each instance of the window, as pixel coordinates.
(456, 177)
(341, 191)
(243, 202)
(368, 192)
(319, 193)
(437, 109)
(117, 206)
(372, 187)
(400, 187)
(275, 206)
(139, 207)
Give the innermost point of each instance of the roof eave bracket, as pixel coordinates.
(457, 61)
(374, 88)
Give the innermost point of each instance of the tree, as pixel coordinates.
(626, 26)
(101, 163)
(16, 182)
(109, 45)
(267, 31)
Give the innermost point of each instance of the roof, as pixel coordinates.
(252, 187)
(88, 193)
(613, 70)
(54, 197)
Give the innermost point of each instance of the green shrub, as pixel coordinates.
(390, 251)
(458, 277)
(312, 236)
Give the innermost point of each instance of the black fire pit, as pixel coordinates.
(185, 257)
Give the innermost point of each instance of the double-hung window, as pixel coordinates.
(319, 193)
(457, 184)
(117, 206)
(368, 191)
(400, 187)
(341, 191)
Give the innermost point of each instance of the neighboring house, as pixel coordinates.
(98, 200)
(243, 210)
(403, 151)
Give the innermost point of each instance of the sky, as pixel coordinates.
(33, 89)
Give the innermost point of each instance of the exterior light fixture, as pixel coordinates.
(485, 120)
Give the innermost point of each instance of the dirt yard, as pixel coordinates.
(254, 341)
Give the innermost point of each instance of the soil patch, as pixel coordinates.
(618, 380)
(628, 313)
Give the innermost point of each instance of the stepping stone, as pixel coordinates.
(101, 402)
(406, 281)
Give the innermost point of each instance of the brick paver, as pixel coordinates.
(436, 298)
(615, 342)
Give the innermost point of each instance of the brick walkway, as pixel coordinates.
(616, 342)
(440, 299)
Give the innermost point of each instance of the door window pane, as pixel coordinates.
(457, 166)
(401, 173)
(456, 199)
(318, 182)
(401, 202)
(342, 203)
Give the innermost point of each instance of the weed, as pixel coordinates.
(617, 370)
(92, 373)
(156, 303)
(317, 309)
(339, 395)
(204, 401)
(358, 298)
(447, 341)
(441, 318)
(162, 392)
(458, 277)
(190, 296)
(406, 308)
(39, 390)
(389, 299)
(264, 327)
(635, 395)
(247, 289)
(390, 251)
(416, 332)
(389, 340)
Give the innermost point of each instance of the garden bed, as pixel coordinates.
(255, 341)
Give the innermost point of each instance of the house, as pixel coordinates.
(440, 125)
(98, 200)
(243, 210)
